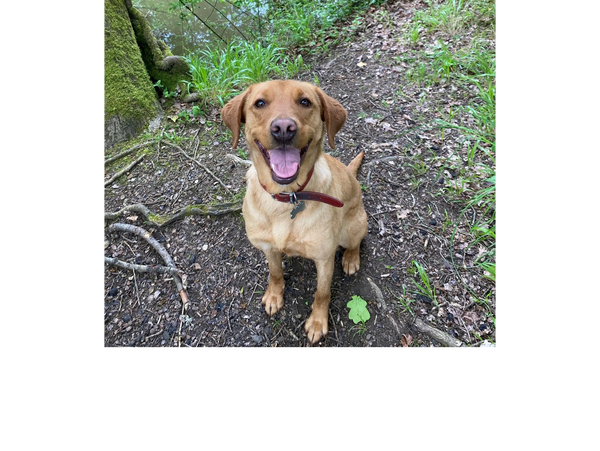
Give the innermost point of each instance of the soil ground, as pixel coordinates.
(225, 276)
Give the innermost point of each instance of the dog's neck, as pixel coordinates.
(299, 195)
(308, 177)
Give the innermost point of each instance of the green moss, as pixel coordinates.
(158, 219)
(160, 63)
(130, 98)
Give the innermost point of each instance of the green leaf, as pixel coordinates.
(358, 310)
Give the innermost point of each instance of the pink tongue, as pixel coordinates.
(284, 163)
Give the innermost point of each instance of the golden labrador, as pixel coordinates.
(299, 200)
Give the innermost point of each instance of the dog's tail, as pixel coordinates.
(355, 164)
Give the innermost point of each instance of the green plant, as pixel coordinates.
(358, 310)
(165, 92)
(260, 61)
(405, 301)
(217, 75)
(220, 73)
(426, 288)
(448, 17)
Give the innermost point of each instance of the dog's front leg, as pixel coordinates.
(316, 326)
(273, 298)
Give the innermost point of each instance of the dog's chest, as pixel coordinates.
(290, 236)
(305, 236)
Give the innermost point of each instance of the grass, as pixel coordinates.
(221, 73)
(447, 50)
(425, 288)
(277, 36)
(303, 24)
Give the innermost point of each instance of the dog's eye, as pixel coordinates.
(260, 103)
(305, 103)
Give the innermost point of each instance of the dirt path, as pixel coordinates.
(225, 276)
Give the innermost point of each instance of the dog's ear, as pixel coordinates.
(333, 114)
(233, 115)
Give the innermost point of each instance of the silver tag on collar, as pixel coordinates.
(297, 209)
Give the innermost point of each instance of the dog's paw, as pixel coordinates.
(316, 327)
(272, 300)
(351, 261)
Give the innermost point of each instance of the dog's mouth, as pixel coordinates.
(283, 161)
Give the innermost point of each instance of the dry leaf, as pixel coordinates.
(406, 340)
(386, 127)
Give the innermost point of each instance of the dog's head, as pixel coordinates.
(285, 125)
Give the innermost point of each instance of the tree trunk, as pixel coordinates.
(131, 103)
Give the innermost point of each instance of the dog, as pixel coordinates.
(299, 200)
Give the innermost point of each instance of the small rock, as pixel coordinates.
(433, 222)
(423, 298)
(257, 338)
(126, 318)
(113, 292)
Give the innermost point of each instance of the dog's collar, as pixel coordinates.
(299, 195)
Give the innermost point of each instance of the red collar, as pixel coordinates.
(299, 195)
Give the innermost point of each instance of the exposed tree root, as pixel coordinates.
(126, 152)
(141, 268)
(164, 220)
(123, 171)
(118, 227)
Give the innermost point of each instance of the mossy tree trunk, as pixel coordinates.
(131, 101)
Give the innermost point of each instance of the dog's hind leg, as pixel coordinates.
(354, 232)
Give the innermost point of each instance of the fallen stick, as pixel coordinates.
(239, 160)
(123, 171)
(163, 220)
(126, 152)
(423, 327)
(436, 334)
(199, 164)
(118, 227)
(141, 268)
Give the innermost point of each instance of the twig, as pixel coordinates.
(436, 334)
(141, 268)
(126, 152)
(203, 23)
(200, 164)
(227, 19)
(123, 171)
(164, 220)
(239, 160)
(118, 227)
(380, 160)
(343, 54)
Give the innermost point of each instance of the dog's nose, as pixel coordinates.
(283, 129)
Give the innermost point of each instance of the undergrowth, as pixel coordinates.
(453, 45)
(220, 73)
(272, 45)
